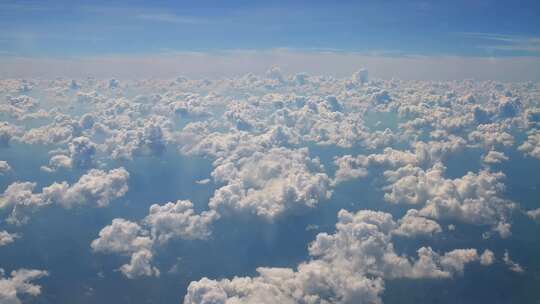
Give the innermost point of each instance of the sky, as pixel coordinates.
(76, 32)
(74, 28)
(337, 152)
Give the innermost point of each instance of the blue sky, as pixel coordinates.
(484, 28)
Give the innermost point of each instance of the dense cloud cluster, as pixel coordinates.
(349, 266)
(279, 145)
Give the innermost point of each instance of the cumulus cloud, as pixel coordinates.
(163, 223)
(57, 162)
(349, 266)
(424, 153)
(150, 138)
(494, 157)
(96, 187)
(474, 198)
(531, 146)
(178, 220)
(7, 131)
(7, 238)
(19, 282)
(128, 238)
(487, 258)
(255, 129)
(60, 131)
(121, 236)
(534, 214)
(81, 151)
(349, 168)
(4, 167)
(140, 265)
(412, 224)
(19, 197)
(513, 266)
(270, 183)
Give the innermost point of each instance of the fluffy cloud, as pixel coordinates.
(178, 220)
(140, 265)
(7, 238)
(96, 187)
(19, 283)
(424, 153)
(147, 137)
(491, 135)
(81, 151)
(19, 197)
(531, 146)
(255, 130)
(348, 266)
(121, 236)
(349, 168)
(412, 224)
(56, 162)
(474, 198)
(513, 266)
(60, 131)
(127, 238)
(494, 157)
(270, 183)
(4, 167)
(487, 258)
(534, 214)
(7, 131)
(163, 223)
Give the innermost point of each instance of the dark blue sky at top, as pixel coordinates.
(89, 28)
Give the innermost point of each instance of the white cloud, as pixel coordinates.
(494, 157)
(56, 162)
(96, 187)
(348, 266)
(178, 220)
(81, 152)
(412, 224)
(140, 265)
(7, 238)
(129, 140)
(121, 236)
(128, 238)
(531, 146)
(487, 258)
(425, 153)
(270, 183)
(62, 130)
(4, 167)
(534, 214)
(19, 197)
(513, 266)
(474, 198)
(163, 223)
(19, 283)
(7, 131)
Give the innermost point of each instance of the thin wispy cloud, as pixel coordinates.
(505, 42)
(169, 18)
